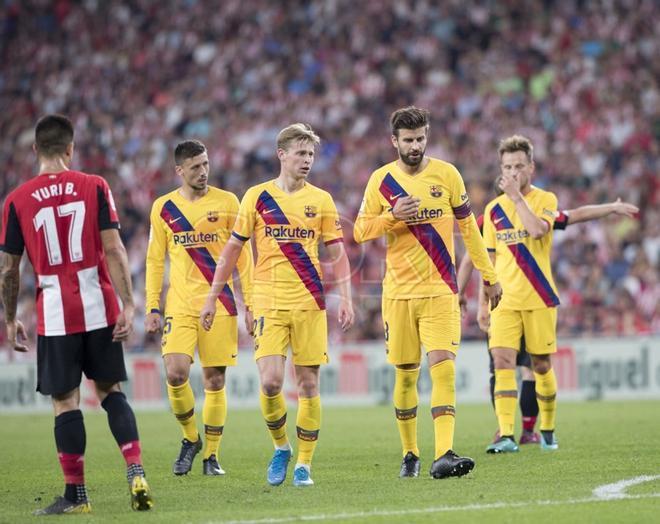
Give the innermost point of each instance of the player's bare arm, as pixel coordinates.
(115, 253)
(342, 271)
(492, 293)
(10, 278)
(464, 273)
(225, 266)
(483, 314)
(535, 226)
(596, 211)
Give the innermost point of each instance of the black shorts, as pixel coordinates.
(62, 360)
(522, 358)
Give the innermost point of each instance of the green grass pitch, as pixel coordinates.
(355, 469)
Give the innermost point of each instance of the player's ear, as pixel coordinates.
(395, 141)
(69, 150)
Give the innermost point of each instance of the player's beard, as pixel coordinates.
(406, 159)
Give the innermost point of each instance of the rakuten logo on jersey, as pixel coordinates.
(283, 233)
(191, 238)
(425, 214)
(510, 237)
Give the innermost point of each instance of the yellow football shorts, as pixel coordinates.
(539, 327)
(431, 322)
(217, 347)
(305, 331)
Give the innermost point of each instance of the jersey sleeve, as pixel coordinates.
(155, 264)
(548, 211)
(108, 217)
(372, 222)
(488, 230)
(246, 218)
(331, 230)
(459, 201)
(11, 236)
(467, 224)
(245, 263)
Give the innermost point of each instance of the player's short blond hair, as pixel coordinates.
(296, 133)
(517, 143)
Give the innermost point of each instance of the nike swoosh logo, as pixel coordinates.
(454, 343)
(393, 197)
(550, 343)
(172, 220)
(267, 211)
(234, 356)
(498, 220)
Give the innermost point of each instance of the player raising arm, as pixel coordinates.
(288, 217)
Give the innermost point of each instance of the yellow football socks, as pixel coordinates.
(308, 423)
(405, 407)
(443, 405)
(274, 411)
(182, 401)
(506, 399)
(546, 394)
(214, 415)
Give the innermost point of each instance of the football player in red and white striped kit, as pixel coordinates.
(67, 222)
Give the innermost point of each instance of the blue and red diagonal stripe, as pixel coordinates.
(526, 262)
(425, 234)
(204, 261)
(272, 214)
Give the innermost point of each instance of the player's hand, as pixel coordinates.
(16, 335)
(345, 315)
(249, 321)
(462, 303)
(624, 208)
(405, 207)
(483, 319)
(152, 323)
(493, 294)
(207, 314)
(510, 185)
(124, 324)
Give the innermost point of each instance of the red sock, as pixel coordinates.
(528, 423)
(132, 452)
(73, 466)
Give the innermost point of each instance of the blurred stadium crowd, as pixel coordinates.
(579, 78)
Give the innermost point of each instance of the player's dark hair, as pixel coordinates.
(517, 143)
(52, 135)
(410, 117)
(188, 149)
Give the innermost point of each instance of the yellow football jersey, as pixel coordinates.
(287, 229)
(522, 263)
(420, 252)
(193, 234)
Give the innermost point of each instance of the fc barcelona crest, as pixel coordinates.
(212, 216)
(310, 211)
(435, 191)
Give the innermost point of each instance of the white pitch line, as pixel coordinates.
(436, 509)
(616, 489)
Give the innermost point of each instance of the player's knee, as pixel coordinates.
(541, 365)
(176, 376)
(308, 388)
(271, 386)
(214, 383)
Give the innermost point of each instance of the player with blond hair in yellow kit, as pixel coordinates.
(413, 201)
(191, 225)
(518, 234)
(287, 217)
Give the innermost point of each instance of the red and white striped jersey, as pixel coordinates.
(57, 218)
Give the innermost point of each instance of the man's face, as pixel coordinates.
(297, 159)
(411, 145)
(194, 171)
(519, 166)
